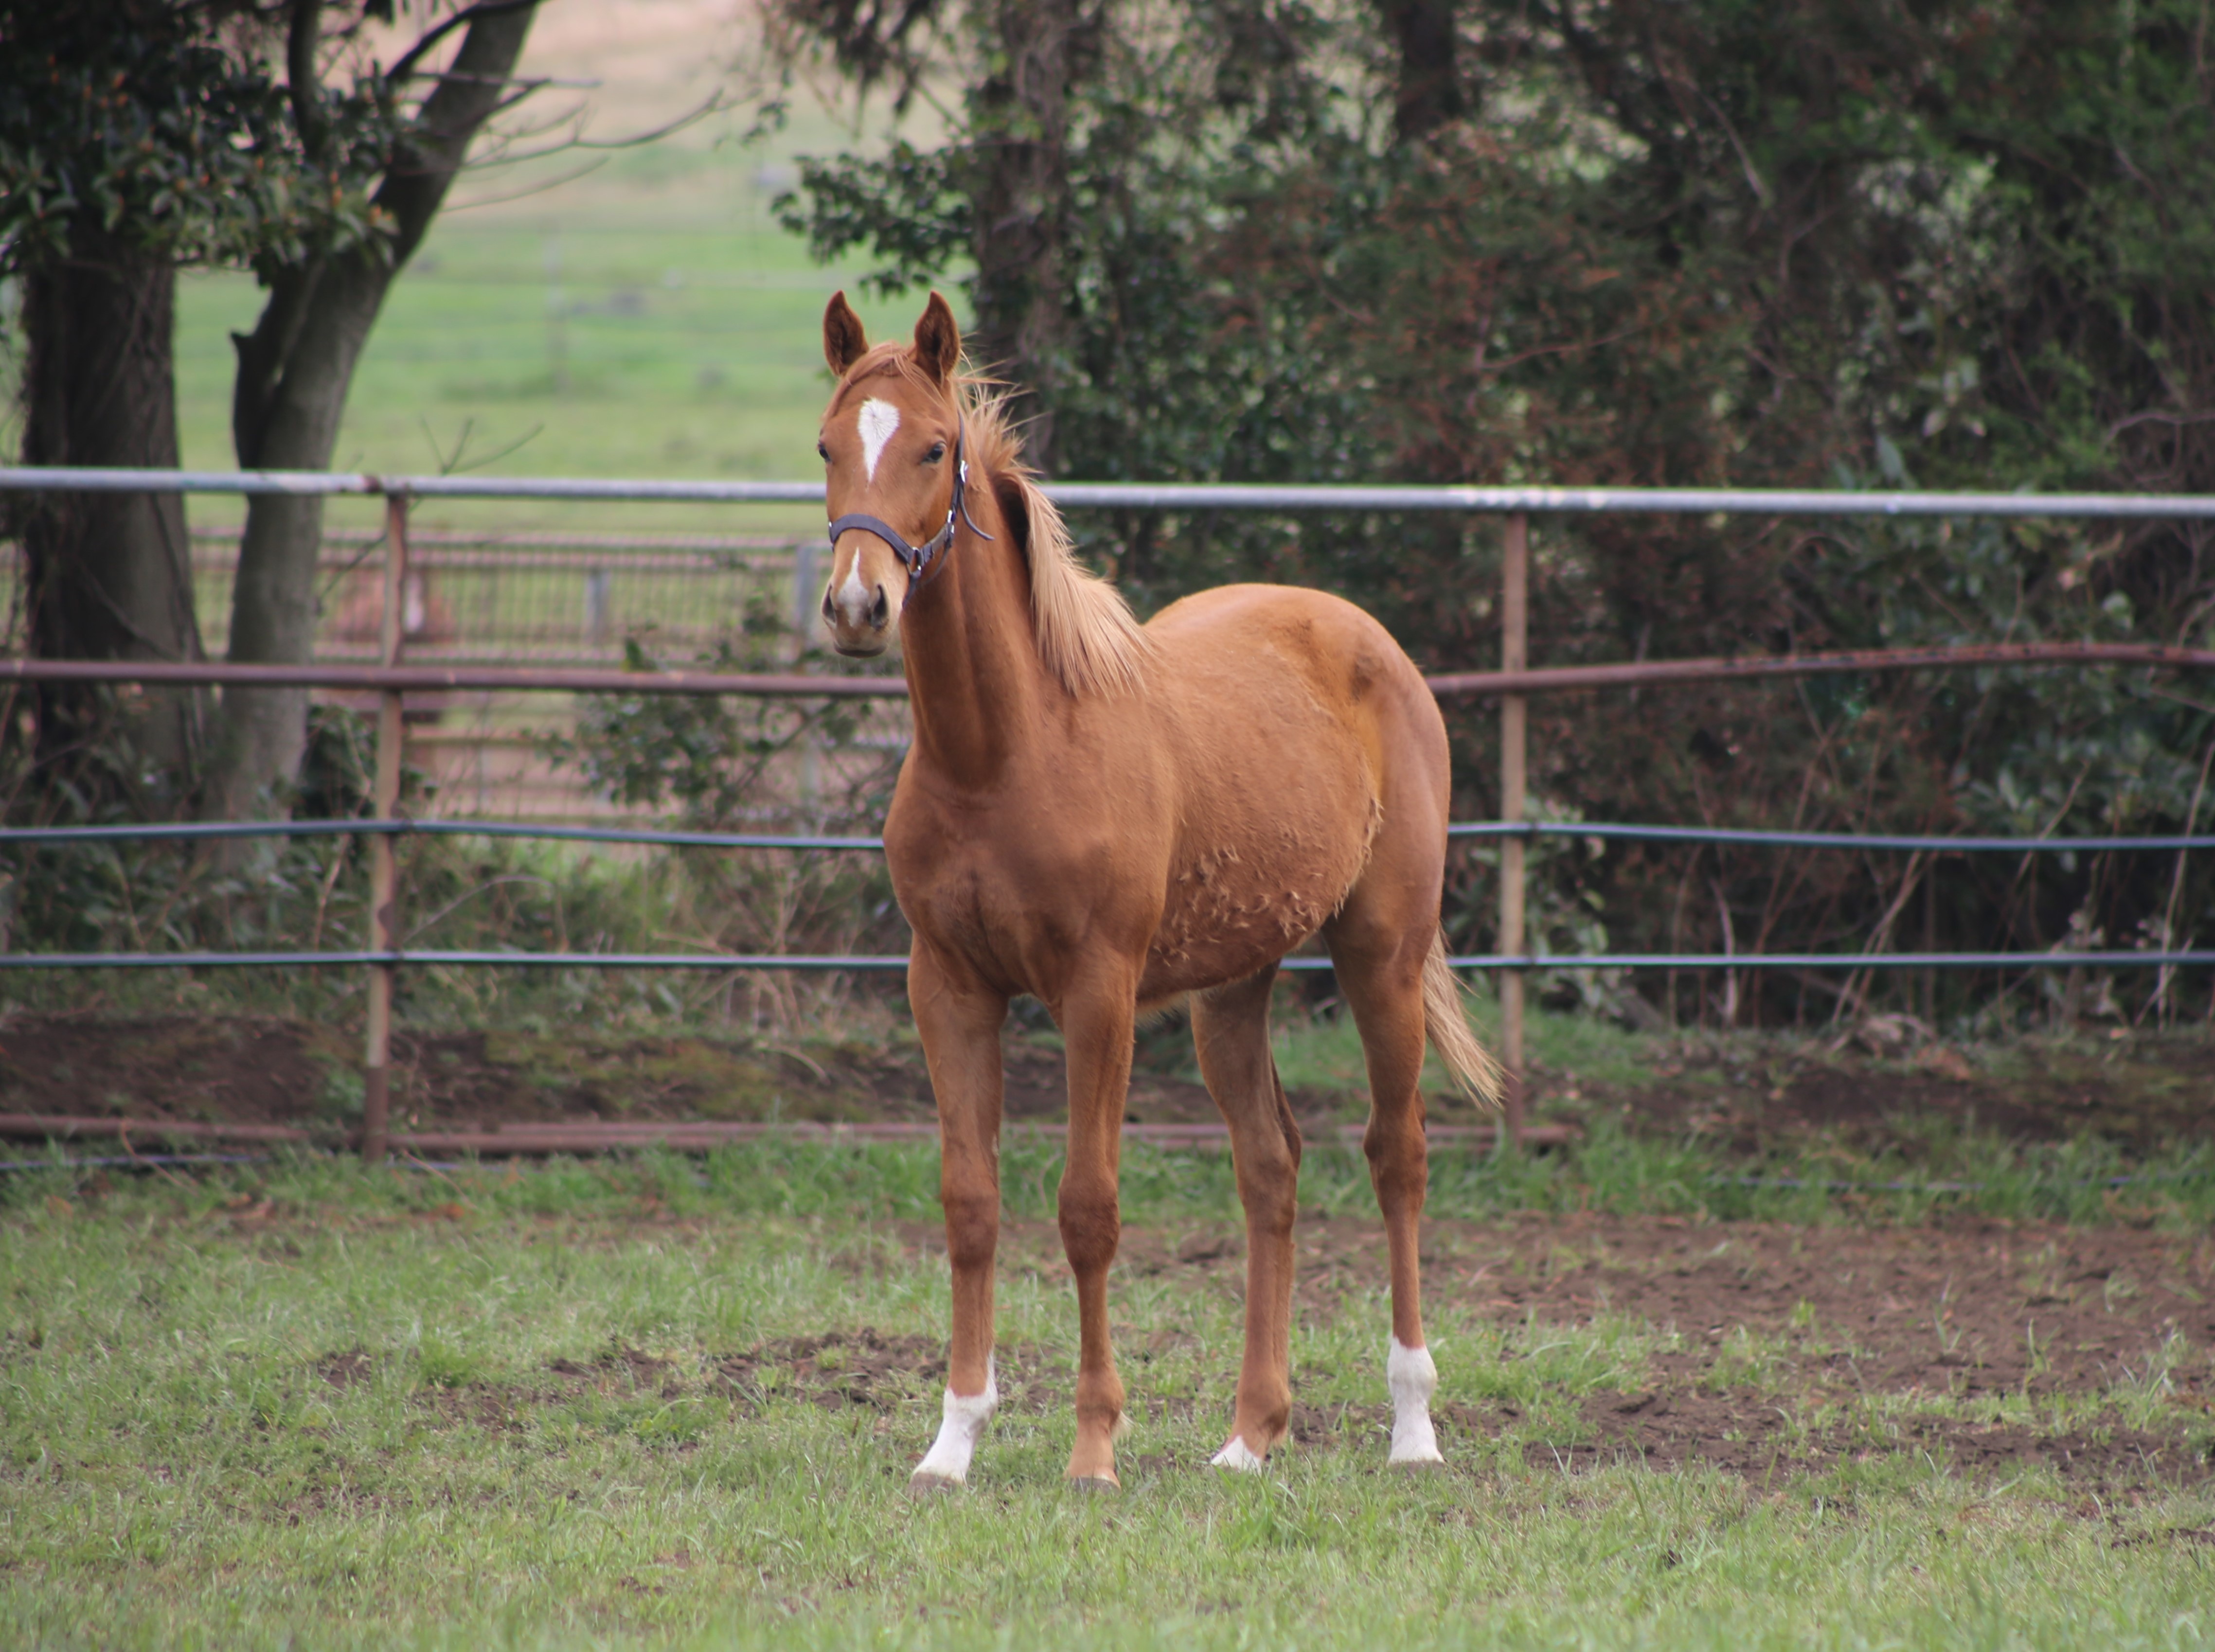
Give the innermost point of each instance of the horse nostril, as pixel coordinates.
(830, 612)
(879, 612)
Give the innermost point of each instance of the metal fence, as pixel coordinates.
(383, 955)
(566, 598)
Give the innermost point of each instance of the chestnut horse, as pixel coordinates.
(1109, 817)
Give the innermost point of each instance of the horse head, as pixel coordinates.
(891, 443)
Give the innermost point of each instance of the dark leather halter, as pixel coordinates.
(924, 559)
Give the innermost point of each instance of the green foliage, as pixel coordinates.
(159, 129)
(1704, 246)
(710, 757)
(307, 894)
(754, 764)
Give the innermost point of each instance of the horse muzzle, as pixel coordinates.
(859, 613)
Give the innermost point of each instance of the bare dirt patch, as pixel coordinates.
(1960, 1309)
(235, 1069)
(624, 1367)
(243, 1070)
(343, 1371)
(1747, 1431)
(881, 1372)
(2136, 1090)
(266, 1071)
(1781, 1332)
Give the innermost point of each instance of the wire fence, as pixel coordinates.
(551, 598)
(1148, 496)
(401, 827)
(396, 623)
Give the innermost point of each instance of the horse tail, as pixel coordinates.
(1447, 1023)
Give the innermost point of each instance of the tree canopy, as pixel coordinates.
(167, 129)
(1827, 243)
(139, 136)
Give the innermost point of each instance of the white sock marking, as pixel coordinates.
(878, 421)
(964, 1422)
(1236, 1455)
(1412, 1377)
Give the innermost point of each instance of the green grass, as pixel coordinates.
(1608, 1172)
(177, 1467)
(1324, 1052)
(655, 323)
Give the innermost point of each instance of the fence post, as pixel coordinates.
(383, 880)
(1514, 656)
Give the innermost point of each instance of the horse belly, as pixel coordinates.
(1265, 870)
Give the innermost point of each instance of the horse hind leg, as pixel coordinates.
(1379, 958)
(1230, 1031)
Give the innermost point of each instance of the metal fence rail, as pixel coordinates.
(539, 597)
(1888, 842)
(1150, 496)
(384, 953)
(866, 962)
(433, 679)
(402, 826)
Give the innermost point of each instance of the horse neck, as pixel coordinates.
(975, 681)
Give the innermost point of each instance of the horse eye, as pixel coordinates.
(825, 451)
(938, 452)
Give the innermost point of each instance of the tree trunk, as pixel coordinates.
(1430, 92)
(1019, 132)
(294, 372)
(110, 575)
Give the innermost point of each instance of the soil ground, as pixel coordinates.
(1992, 1349)
(1741, 1092)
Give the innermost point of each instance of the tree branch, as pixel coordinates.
(302, 81)
(430, 152)
(413, 55)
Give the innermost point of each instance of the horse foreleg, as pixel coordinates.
(1381, 976)
(1095, 1027)
(959, 1024)
(1230, 1031)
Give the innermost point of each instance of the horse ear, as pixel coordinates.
(844, 339)
(938, 339)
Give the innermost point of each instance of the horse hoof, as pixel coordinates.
(1237, 1456)
(920, 1484)
(1094, 1483)
(1416, 1465)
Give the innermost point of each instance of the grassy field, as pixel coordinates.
(651, 320)
(649, 1404)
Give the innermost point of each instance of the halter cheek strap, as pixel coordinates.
(923, 560)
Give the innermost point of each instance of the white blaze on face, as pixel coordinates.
(853, 596)
(878, 421)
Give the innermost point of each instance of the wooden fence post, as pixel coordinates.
(1514, 656)
(383, 880)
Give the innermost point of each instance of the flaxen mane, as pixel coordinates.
(1085, 632)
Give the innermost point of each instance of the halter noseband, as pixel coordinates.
(921, 560)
